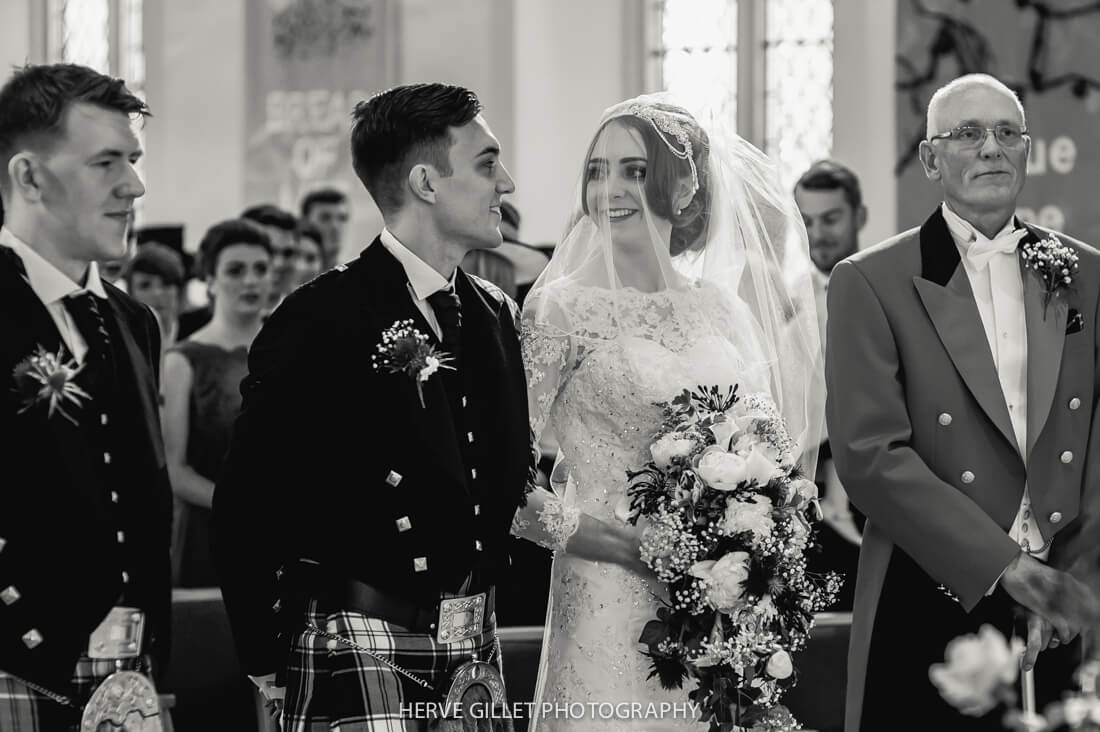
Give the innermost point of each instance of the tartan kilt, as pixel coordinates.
(332, 686)
(23, 709)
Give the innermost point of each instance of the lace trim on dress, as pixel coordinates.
(559, 522)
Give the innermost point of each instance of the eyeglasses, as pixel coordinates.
(974, 135)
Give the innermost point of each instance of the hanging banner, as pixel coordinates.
(1049, 53)
(309, 62)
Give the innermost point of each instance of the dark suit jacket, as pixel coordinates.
(922, 437)
(328, 453)
(60, 547)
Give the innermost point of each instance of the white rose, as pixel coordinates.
(754, 515)
(745, 413)
(727, 579)
(722, 471)
(779, 665)
(977, 667)
(805, 491)
(761, 468)
(743, 445)
(723, 432)
(668, 447)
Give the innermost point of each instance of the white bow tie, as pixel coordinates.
(981, 250)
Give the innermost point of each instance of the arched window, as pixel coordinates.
(765, 65)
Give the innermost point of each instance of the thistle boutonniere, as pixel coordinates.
(47, 378)
(404, 349)
(1054, 262)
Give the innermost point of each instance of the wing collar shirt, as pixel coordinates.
(998, 287)
(52, 286)
(423, 280)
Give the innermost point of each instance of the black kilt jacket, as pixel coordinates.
(337, 463)
(85, 508)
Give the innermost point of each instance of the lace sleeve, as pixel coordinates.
(546, 520)
(545, 357)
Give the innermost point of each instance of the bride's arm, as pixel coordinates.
(546, 519)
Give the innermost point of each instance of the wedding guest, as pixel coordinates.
(154, 277)
(85, 505)
(311, 253)
(327, 209)
(282, 229)
(202, 387)
(831, 203)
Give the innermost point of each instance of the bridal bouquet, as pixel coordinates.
(727, 526)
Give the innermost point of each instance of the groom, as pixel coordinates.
(962, 413)
(362, 517)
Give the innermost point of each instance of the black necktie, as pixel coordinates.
(9, 254)
(85, 311)
(448, 311)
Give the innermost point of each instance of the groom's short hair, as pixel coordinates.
(33, 103)
(403, 126)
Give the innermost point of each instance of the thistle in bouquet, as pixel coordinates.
(727, 518)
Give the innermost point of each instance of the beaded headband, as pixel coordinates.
(665, 123)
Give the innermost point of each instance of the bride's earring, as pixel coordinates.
(679, 211)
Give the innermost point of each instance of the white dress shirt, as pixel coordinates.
(999, 294)
(424, 281)
(52, 286)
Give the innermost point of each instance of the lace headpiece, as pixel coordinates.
(664, 124)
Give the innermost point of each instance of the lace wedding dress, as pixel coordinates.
(597, 386)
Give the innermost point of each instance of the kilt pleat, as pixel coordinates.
(333, 686)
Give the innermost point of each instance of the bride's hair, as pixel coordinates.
(665, 175)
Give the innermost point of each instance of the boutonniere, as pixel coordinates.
(404, 349)
(47, 378)
(1054, 262)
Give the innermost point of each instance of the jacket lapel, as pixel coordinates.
(36, 329)
(138, 366)
(945, 291)
(1046, 335)
(389, 300)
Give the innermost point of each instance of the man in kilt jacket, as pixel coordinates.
(85, 509)
(362, 517)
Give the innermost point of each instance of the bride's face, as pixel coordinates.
(615, 195)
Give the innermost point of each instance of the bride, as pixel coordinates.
(685, 264)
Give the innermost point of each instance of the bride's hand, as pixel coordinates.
(613, 541)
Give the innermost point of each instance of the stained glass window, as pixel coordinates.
(84, 30)
(696, 59)
(694, 47)
(798, 92)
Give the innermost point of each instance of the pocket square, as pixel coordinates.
(1075, 322)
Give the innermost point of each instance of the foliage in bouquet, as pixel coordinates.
(727, 518)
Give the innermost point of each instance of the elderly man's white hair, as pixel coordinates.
(960, 86)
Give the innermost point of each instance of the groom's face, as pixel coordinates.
(467, 209)
(988, 177)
